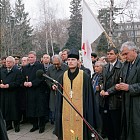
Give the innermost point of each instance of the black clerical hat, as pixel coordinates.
(16, 56)
(73, 54)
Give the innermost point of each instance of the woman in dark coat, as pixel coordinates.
(96, 82)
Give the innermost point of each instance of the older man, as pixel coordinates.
(10, 82)
(130, 86)
(54, 71)
(36, 100)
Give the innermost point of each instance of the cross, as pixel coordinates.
(71, 94)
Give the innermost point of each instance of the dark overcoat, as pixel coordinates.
(88, 112)
(96, 79)
(9, 96)
(131, 102)
(3, 133)
(36, 96)
(54, 73)
(110, 79)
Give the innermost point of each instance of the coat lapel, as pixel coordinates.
(133, 71)
(132, 74)
(125, 69)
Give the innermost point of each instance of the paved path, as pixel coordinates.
(24, 133)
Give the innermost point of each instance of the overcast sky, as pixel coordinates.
(62, 7)
(33, 7)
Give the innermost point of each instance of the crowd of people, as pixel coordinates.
(80, 105)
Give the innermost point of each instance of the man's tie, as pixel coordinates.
(110, 68)
(129, 68)
(8, 70)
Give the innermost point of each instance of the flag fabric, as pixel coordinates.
(91, 30)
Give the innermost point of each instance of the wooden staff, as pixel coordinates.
(111, 42)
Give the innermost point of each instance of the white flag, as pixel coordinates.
(91, 30)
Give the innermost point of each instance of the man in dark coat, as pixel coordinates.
(54, 71)
(35, 89)
(46, 62)
(3, 62)
(130, 86)
(11, 79)
(110, 101)
(78, 90)
(86, 70)
(3, 132)
(22, 94)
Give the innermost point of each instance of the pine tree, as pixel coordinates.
(22, 30)
(75, 28)
(5, 27)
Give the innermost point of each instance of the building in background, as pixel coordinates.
(129, 31)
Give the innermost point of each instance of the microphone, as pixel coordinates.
(40, 74)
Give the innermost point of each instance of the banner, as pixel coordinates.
(91, 30)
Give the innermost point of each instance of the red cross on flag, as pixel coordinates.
(91, 30)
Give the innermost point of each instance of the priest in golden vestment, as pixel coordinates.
(77, 89)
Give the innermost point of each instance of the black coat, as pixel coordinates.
(36, 96)
(96, 79)
(54, 73)
(9, 96)
(86, 70)
(110, 79)
(3, 133)
(88, 113)
(131, 102)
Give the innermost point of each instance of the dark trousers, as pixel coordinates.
(111, 123)
(52, 116)
(38, 122)
(9, 123)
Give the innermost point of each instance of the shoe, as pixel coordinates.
(9, 127)
(34, 129)
(17, 128)
(53, 132)
(41, 129)
(52, 122)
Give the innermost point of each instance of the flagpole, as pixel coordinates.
(109, 39)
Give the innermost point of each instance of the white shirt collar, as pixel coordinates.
(113, 62)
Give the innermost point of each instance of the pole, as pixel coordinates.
(111, 17)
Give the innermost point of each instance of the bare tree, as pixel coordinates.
(50, 30)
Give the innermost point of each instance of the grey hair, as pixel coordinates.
(130, 45)
(32, 52)
(11, 58)
(58, 57)
(101, 63)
